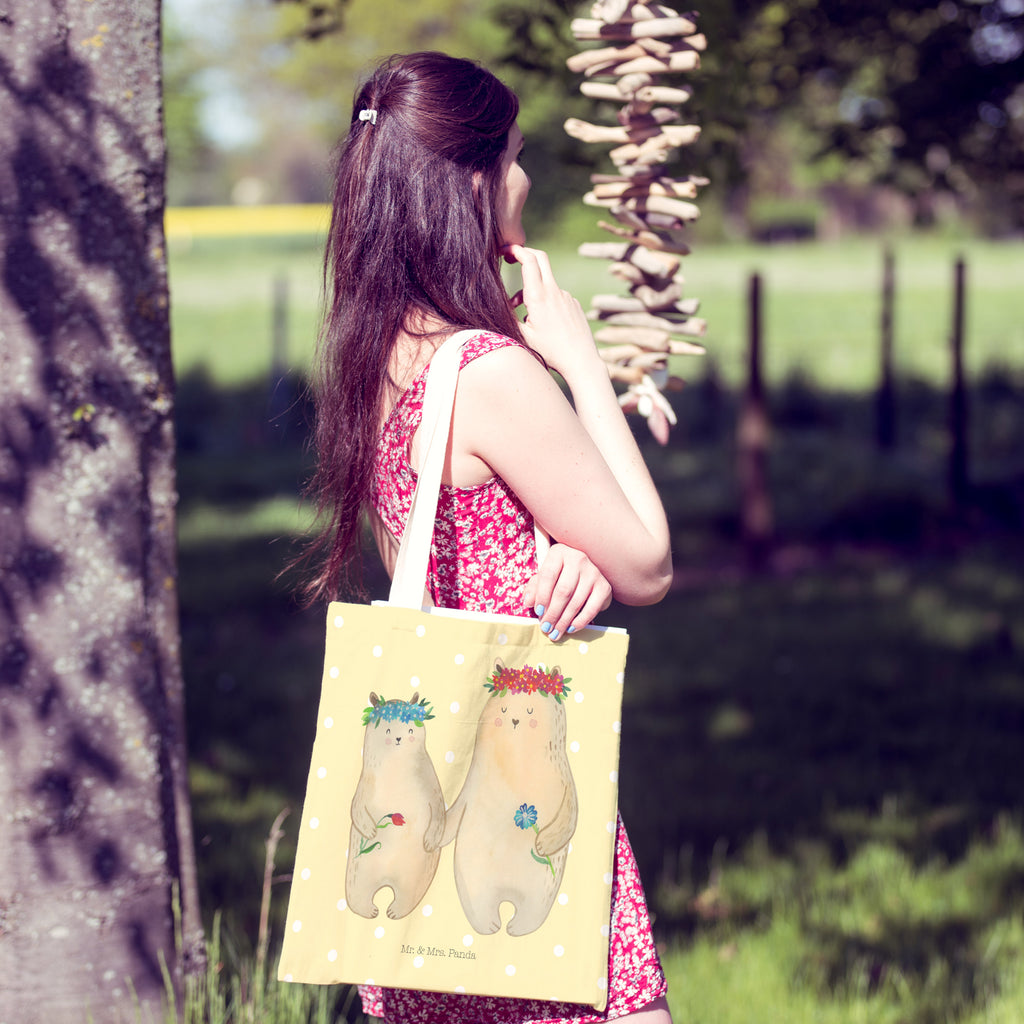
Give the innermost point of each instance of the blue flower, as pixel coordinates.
(526, 816)
(405, 712)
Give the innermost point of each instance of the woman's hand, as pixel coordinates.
(555, 326)
(567, 592)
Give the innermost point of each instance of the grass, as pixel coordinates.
(877, 940)
(822, 305)
(820, 765)
(222, 303)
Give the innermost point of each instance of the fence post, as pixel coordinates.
(958, 469)
(885, 400)
(280, 398)
(752, 442)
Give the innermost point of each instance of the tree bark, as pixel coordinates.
(95, 826)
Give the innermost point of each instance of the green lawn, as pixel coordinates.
(822, 305)
(222, 301)
(821, 762)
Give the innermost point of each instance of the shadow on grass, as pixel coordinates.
(866, 692)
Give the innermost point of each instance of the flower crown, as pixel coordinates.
(528, 680)
(407, 712)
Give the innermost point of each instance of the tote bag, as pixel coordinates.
(459, 823)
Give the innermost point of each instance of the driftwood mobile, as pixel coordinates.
(640, 330)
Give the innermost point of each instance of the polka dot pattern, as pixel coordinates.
(592, 725)
(585, 707)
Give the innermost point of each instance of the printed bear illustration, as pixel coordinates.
(397, 810)
(517, 810)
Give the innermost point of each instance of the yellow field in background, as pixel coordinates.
(187, 222)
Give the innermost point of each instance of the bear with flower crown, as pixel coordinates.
(517, 810)
(397, 810)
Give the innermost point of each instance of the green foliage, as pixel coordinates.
(524, 43)
(920, 96)
(188, 149)
(792, 95)
(325, 70)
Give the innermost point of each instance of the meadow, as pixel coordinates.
(821, 760)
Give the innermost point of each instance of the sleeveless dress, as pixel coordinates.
(483, 556)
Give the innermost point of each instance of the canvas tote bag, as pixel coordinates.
(458, 829)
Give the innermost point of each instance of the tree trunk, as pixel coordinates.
(93, 792)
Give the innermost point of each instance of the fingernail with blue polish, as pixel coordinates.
(554, 635)
(545, 627)
(571, 629)
(538, 610)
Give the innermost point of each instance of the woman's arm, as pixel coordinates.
(578, 471)
(567, 592)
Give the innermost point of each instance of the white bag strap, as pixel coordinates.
(408, 585)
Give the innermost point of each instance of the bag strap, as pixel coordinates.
(408, 585)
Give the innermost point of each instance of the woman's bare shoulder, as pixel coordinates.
(483, 343)
(490, 358)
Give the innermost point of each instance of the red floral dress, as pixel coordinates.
(483, 556)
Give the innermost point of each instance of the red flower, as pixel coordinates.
(397, 819)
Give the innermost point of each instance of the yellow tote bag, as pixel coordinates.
(459, 824)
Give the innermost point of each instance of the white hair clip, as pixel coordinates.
(368, 115)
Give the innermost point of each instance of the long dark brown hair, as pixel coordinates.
(413, 239)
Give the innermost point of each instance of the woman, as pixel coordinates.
(428, 199)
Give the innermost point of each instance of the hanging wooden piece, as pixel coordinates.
(641, 41)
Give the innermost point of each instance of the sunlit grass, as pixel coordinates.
(275, 517)
(223, 294)
(821, 305)
(879, 939)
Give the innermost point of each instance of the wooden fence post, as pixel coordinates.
(752, 443)
(958, 458)
(280, 398)
(279, 328)
(885, 400)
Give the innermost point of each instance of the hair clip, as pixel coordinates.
(368, 115)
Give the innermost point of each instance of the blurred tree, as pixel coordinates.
(318, 17)
(535, 43)
(93, 778)
(189, 149)
(920, 94)
(318, 49)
